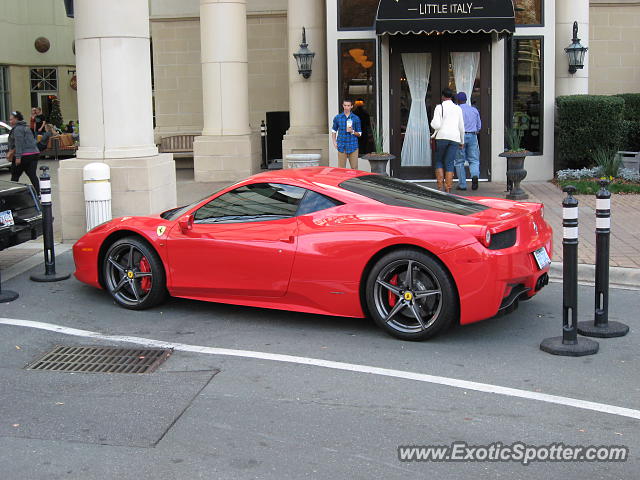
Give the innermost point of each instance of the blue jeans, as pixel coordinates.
(470, 153)
(446, 154)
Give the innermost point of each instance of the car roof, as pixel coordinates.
(320, 176)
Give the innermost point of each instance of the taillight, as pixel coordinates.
(487, 238)
(482, 233)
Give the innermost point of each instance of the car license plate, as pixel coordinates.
(542, 257)
(6, 218)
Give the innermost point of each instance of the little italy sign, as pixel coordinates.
(445, 8)
(404, 16)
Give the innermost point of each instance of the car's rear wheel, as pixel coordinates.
(133, 274)
(410, 295)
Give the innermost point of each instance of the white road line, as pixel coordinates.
(350, 367)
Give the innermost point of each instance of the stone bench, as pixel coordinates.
(179, 145)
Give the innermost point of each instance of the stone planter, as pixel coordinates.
(302, 160)
(378, 162)
(515, 174)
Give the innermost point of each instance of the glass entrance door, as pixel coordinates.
(420, 67)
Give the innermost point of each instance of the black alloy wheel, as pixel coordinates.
(410, 295)
(133, 274)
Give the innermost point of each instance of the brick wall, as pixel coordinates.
(614, 48)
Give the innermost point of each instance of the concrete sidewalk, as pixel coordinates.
(625, 224)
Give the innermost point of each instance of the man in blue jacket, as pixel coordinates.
(471, 150)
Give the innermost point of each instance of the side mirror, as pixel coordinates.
(186, 223)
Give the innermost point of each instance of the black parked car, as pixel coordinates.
(20, 214)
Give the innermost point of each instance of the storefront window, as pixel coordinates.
(528, 12)
(527, 90)
(357, 72)
(5, 108)
(357, 14)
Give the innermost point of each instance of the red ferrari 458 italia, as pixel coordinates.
(329, 241)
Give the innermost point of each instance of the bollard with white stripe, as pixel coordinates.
(263, 135)
(601, 326)
(50, 274)
(568, 344)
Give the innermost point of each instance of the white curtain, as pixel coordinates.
(416, 149)
(465, 68)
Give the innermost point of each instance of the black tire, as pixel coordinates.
(411, 312)
(133, 274)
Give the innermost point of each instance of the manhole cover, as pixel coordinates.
(101, 360)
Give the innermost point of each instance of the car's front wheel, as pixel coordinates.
(133, 274)
(410, 295)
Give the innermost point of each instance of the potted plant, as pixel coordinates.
(378, 159)
(515, 156)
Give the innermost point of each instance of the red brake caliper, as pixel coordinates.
(145, 283)
(392, 296)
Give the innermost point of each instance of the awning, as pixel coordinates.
(439, 16)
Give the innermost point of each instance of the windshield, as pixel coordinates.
(396, 192)
(177, 212)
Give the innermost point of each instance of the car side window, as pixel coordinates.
(252, 203)
(314, 202)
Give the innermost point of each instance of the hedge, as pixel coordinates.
(631, 141)
(586, 123)
(631, 106)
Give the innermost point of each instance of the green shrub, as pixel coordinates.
(631, 106)
(631, 136)
(608, 161)
(586, 123)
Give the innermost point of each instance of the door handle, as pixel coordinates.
(289, 239)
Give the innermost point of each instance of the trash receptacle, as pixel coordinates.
(630, 160)
(301, 160)
(97, 193)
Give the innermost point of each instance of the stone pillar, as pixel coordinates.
(115, 113)
(566, 14)
(227, 149)
(308, 131)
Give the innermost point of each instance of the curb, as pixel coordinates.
(619, 277)
(32, 261)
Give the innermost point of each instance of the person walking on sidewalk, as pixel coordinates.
(25, 150)
(471, 150)
(344, 133)
(448, 126)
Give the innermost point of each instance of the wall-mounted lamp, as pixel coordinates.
(575, 51)
(304, 57)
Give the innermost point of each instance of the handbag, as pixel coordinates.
(434, 144)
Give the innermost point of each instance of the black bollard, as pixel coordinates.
(568, 344)
(7, 296)
(263, 135)
(50, 274)
(601, 326)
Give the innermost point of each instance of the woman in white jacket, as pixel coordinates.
(448, 126)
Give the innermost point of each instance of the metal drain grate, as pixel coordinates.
(101, 360)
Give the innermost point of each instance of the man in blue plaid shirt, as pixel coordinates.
(344, 133)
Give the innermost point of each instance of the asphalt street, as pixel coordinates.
(208, 415)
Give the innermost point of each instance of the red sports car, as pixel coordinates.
(329, 241)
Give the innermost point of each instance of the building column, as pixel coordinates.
(566, 14)
(227, 149)
(115, 114)
(308, 131)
